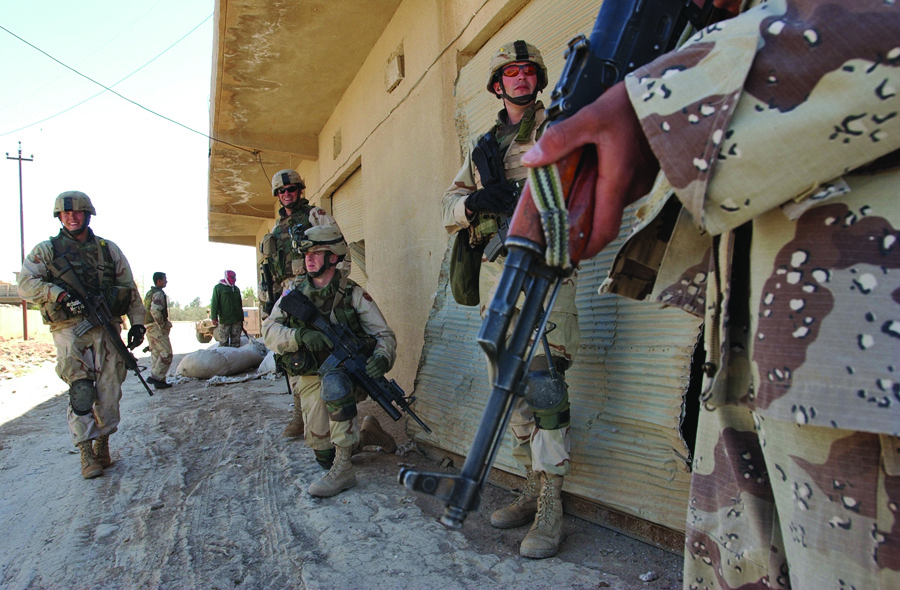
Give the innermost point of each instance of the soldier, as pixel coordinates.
(778, 133)
(157, 311)
(329, 401)
(227, 312)
(88, 363)
(282, 260)
(541, 439)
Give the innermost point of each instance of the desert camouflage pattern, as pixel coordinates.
(158, 328)
(321, 433)
(91, 355)
(777, 132)
(545, 450)
(285, 262)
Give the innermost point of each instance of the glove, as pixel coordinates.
(136, 336)
(313, 340)
(376, 366)
(75, 306)
(496, 198)
(270, 305)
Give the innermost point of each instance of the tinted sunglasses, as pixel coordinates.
(286, 189)
(512, 70)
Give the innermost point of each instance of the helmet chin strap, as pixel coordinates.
(80, 230)
(519, 100)
(326, 264)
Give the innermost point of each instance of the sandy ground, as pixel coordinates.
(205, 493)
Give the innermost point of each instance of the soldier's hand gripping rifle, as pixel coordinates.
(351, 353)
(489, 161)
(550, 229)
(97, 313)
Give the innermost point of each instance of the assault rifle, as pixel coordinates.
(97, 313)
(269, 286)
(626, 35)
(351, 353)
(489, 161)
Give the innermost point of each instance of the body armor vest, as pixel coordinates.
(148, 298)
(342, 313)
(279, 249)
(93, 263)
(514, 141)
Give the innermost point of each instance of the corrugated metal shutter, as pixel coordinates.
(348, 210)
(627, 384)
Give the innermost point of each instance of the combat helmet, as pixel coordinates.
(286, 176)
(324, 237)
(513, 52)
(73, 201)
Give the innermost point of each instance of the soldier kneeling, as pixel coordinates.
(329, 401)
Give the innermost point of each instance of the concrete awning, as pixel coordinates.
(280, 69)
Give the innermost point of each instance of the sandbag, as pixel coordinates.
(224, 360)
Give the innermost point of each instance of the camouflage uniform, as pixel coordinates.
(157, 309)
(794, 265)
(278, 329)
(285, 263)
(546, 450)
(91, 355)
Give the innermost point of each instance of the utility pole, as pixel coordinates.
(22, 232)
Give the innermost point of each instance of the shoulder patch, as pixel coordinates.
(366, 296)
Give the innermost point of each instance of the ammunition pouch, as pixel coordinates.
(82, 394)
(548, 397)
(53, 312)
(465, 266)
(301, 362)
(118, 299)
(337, 391)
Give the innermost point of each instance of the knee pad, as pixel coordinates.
(337, 391)
(82, 394)
(548, 398)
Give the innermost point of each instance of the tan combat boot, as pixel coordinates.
(101, 451)
(90, 467)
(295, 426)
(523, 509)
(340, 477)
(372, 434)
(545, 534)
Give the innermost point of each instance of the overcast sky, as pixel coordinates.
(146, 176)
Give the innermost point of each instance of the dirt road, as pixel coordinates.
(205, 493)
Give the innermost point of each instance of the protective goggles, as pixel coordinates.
(512, 70)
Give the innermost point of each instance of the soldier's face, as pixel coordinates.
(520, 84)
(288, 195)
(72, 220)
(314, 260)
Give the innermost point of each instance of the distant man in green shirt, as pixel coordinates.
(226, 311)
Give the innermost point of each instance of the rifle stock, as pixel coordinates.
(626, 35)
(98, 314)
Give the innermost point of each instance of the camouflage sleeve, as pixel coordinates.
(276, 336)
(373, 322)
(32, 284)
(453, 203)
(762, 109)
(124, 278)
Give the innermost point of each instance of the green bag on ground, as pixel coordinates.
(465, 264)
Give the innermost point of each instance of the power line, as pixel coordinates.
(109, 89)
